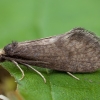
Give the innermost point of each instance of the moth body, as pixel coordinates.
(75, 51)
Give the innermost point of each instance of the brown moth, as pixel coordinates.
(77, 51)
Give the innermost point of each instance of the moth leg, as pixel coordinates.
(73, 75)
(19, 69)
(35, 71)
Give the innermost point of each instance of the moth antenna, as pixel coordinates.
(73, 75)
(35, 71)
(19, 69)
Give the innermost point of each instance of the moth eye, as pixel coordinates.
(8, 48)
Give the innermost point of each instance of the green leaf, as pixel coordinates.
(59, 85)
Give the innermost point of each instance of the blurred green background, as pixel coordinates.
(22, 20)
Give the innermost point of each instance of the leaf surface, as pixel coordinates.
(59, 85)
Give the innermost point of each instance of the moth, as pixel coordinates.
(77, 51)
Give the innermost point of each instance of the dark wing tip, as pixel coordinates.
(90, 34)
(82, 30)
(79, 28)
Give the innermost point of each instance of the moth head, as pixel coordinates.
(9, 49)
